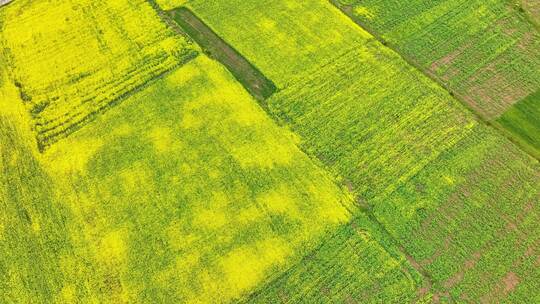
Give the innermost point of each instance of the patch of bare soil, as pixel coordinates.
(448, 59)
(506, 285)
(499, 91)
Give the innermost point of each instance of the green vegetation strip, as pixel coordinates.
(249, 76)
(522, 121)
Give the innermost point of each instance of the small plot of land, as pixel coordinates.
(522, 120)
(255, 82)
(84, 57)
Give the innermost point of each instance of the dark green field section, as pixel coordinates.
(523, 121)
(355, 263)
(249, 76)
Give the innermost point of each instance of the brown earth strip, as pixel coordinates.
(248, 75)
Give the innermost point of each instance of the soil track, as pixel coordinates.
(249, 76)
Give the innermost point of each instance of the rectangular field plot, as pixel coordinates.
(282, 37)
(485, 51)
(188, 192)
(470, 219)
(74, 59)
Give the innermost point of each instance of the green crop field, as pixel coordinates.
(485, 52)
(462, 212)
(522, 121)
(189, 151)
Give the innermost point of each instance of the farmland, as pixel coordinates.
(463, 211)
(269, 152)
(521, 120)
(98, 55)
(302, 34)
(219, 242)
(361, 117)
(486, 52)
(219, 249)
(351, 264)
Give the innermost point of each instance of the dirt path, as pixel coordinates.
(249, 76)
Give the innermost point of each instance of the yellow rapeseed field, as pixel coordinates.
(73, 59)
